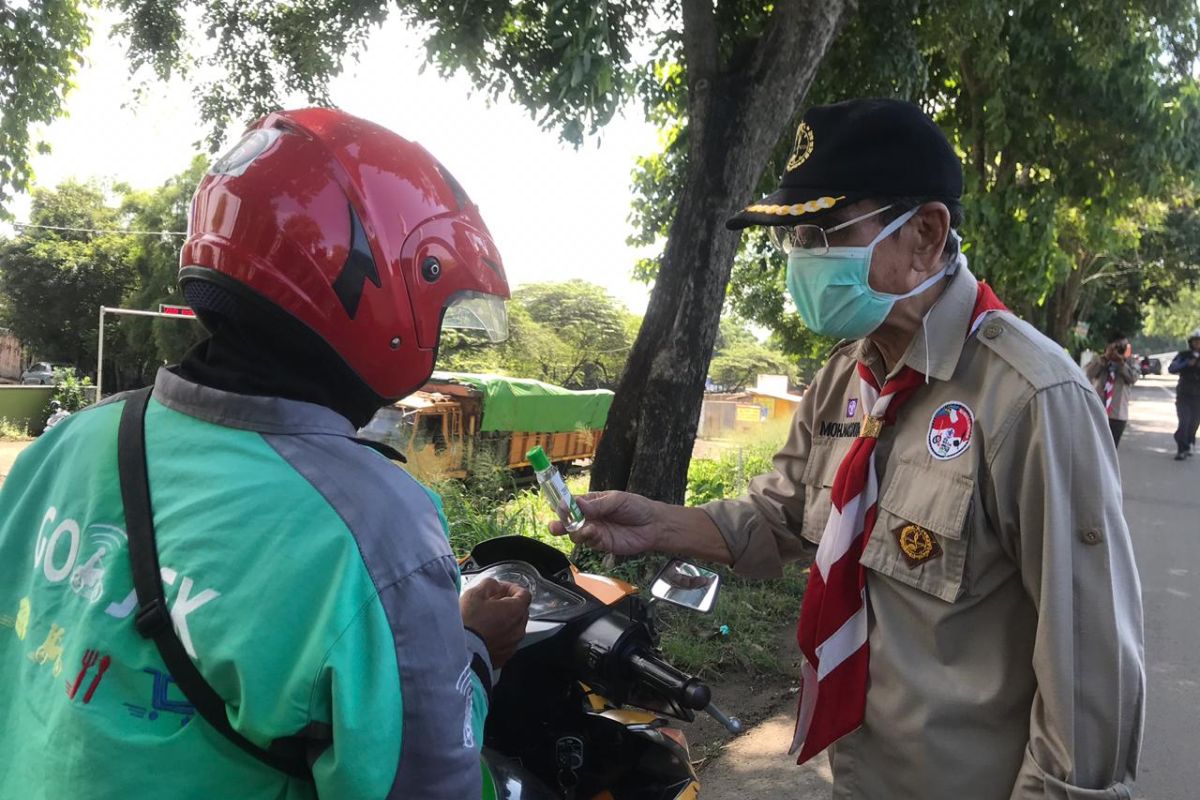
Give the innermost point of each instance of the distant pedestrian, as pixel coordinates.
(1187, 396)
(1113, 373)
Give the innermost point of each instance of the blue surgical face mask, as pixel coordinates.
(832, 292)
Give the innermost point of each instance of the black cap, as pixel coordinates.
(850, 151)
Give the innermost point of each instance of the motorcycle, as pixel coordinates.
(583, 710)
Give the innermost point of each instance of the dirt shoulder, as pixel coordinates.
(8, 454)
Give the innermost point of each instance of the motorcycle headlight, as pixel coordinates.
(547, 597)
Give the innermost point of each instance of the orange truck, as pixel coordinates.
(459, 421)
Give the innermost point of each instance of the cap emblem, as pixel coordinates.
(803, 147)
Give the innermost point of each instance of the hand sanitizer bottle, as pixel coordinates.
(555, 490)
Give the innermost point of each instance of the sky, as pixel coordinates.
(556, 213)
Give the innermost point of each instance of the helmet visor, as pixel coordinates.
(482, 313)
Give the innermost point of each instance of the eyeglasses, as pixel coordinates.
(811, 238)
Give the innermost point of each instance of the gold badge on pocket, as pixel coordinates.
(917, 544)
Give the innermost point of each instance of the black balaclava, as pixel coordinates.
(265, 352)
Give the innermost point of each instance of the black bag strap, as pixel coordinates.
(153, 619)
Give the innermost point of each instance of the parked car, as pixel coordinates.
(42, 373)
(1151, 366)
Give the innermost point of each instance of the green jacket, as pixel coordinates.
(309, 578)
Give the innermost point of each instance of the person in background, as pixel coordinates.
(1187, 396)
(1113, 373)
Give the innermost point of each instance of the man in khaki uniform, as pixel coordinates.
(1113, 374)
(1003, 621)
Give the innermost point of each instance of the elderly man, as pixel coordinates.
(972, 626)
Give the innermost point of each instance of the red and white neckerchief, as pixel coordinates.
(833, 618)
(1110, 384)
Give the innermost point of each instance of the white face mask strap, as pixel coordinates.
(925, 334)
(893, 226)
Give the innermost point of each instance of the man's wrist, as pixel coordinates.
(689, 532)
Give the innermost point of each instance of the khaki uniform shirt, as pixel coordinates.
(1128, 373)
(1008, 662)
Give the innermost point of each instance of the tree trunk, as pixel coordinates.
(736, 118)
(1064, 302)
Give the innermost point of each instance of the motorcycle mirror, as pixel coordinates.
(684, 584)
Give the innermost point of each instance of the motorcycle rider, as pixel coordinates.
(309, 579)
(1186, 365)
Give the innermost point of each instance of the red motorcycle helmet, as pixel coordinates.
(356, 232)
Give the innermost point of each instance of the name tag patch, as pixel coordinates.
(839, 430)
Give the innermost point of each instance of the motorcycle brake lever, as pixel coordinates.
(732, 724)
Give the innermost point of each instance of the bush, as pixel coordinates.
(729, 475)
(70, 391)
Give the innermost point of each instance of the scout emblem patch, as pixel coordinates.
(917, 544)
(950, 431)
(851, 407)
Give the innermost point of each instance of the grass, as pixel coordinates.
(754, 612)
(11, 431)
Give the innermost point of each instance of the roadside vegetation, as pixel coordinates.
(13, 430)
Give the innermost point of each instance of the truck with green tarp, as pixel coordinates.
(458, 420)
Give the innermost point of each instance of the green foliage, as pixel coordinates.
(145, 343)
(1075, 121)
(573, 334)
(56, 281)
(70, 391)
(52, 282)
(1169, 323)
(568, 61)
(729, 475)
(739, 358)
(41, 46)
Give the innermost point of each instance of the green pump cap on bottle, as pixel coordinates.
(537, 457)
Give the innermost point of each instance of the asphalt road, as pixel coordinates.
(1162, 505)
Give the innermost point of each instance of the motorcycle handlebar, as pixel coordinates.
(689, 692)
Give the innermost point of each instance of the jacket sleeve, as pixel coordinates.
(404, 703)
(761, 529)
(1178, 364)
(1130, 372)
(1057, 497)
(1095, 368)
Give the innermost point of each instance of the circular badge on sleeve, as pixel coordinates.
(950, 431)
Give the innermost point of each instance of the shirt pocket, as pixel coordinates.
(920, 537)
(823, 461)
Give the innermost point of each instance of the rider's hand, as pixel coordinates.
(621, 523)
(497, 611)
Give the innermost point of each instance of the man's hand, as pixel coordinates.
(498, 612)
(621, 523)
